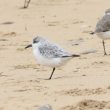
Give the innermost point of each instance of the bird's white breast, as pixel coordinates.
(104, 35)
(52, 62)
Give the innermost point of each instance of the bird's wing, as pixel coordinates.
(104, 24)
(49, 50)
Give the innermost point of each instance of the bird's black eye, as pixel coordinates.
(35, 41)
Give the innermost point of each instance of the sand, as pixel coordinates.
(82, 84)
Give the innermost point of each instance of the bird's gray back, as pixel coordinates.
(45, 107)
(103, 24)
(50, 50)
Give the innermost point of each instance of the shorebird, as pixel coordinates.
(102, 29)
(45, 107)
(49, 54)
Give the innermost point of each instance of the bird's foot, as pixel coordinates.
(105, 54)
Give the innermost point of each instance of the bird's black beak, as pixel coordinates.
(30, 45)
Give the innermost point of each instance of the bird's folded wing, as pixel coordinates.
(52, 51)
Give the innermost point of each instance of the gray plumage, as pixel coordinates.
(45, 107)
(102, 29)
(107, 11)
(103, 24)
(50, 50)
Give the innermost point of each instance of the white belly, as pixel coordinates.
(104, 35)
(52, 62)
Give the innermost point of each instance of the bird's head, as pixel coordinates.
(107, 11)
(35, 42)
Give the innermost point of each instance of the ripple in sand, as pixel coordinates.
(7, 23)
(75, 42)
(53, 23)
(3, 40)
(26, 66)
(89, 105)
(79, 92)
(20, 49)
(13, 34)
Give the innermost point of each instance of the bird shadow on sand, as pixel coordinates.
(53, 78)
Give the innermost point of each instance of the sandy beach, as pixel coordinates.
(82, 84)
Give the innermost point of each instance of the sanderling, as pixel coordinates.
(49, 54)
(103, 28)
(45, 107)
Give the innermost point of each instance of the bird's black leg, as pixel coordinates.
(104, 47)
(26, 3)
(52, 73)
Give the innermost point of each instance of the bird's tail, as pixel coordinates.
(74, 55)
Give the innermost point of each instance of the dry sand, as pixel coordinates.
(82, 84)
